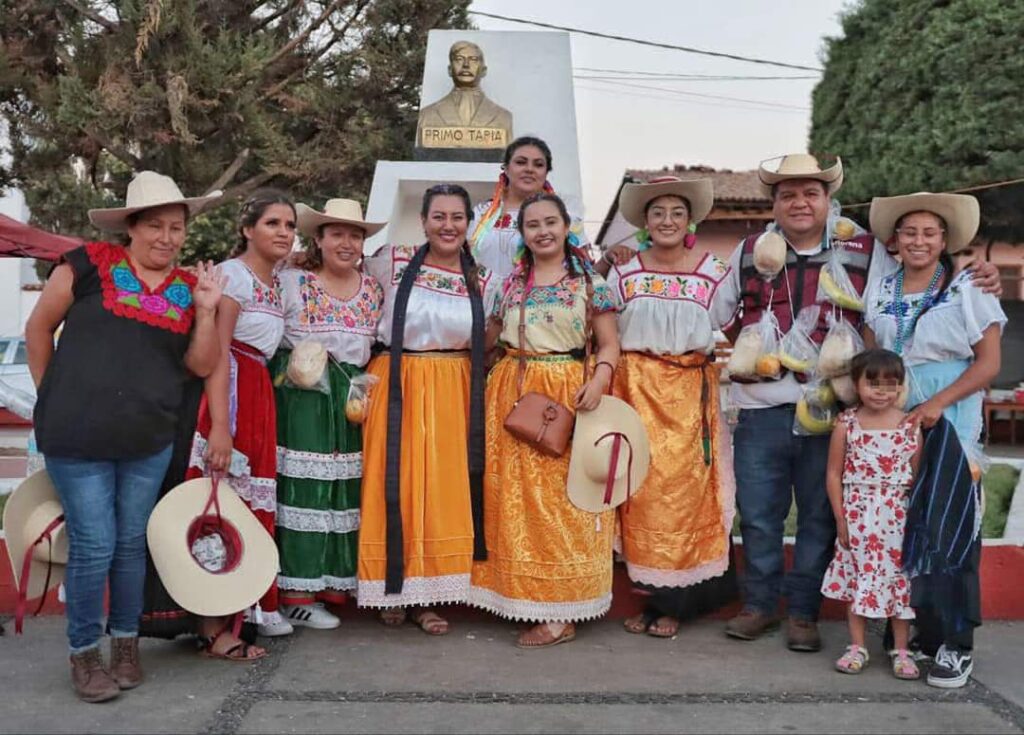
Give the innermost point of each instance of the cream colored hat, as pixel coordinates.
(147, 190)
(222, 571)
(960, 211)
(345, 211)
(593, 461)
(31, 509)
(800, 166)
(698, 192)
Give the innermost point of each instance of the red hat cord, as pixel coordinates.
(26, 570)
(613, 465)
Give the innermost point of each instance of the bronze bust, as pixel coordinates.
(465, 117)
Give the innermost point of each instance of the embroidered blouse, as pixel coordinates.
(114, 385)
(261, 321)
(499, 245)
(555, 315)
(666, 313)
(946, 331)
(438, 316)
(347, 328)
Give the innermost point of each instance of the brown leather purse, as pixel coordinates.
(537, 419)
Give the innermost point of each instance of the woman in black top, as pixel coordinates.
(135, 326)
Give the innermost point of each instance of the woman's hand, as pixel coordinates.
(218, 449)
(985, 276)
(589, 396)
(842, 533)
(926, 415)
(209, 286)
(619, 254)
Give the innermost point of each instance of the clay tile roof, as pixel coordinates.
(730, 186)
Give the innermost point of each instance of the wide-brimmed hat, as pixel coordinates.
(344, 211)
(800, 166)
(960, 211)
(610, 456)
(699, 193)
(211, 563)
(147, 190)
(34, 523)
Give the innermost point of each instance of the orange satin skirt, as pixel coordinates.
(675, 531)
(547, 560)
(437, 519)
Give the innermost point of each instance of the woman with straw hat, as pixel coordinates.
(948, 331)
(675, 535)
(549, 562)
(331, 310)
(135, 325)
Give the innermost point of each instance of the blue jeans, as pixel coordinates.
(772, 464)
(106, 508)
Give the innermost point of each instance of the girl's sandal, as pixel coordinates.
(430, 622)
(393, 617)
(640, 623)
(903, 665)
(661, 629)
(240, 652)
(541, 636)
(853, 660)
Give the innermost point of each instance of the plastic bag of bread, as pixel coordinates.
(841, 343)
(834, 282)
(755, 354)
(307, 367)
(845, 390)
(769, 254)
(357, 404)
(798, 352)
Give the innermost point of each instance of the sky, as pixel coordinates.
(621, 126)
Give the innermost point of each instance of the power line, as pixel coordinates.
(681, 78)
(669, 90)
(637, 73)
(642, 42)
(962, 190)
(667, 98)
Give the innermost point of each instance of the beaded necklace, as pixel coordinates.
(903, 328)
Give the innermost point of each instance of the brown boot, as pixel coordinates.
(802, 635)
(90, 678)
(750, 625)
(124, 662)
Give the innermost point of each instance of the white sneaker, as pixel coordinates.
(274, 625)
(311, 616)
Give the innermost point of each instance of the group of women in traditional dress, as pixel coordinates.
(423, 498)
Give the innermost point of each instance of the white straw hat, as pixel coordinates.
(800, 166)
(960, 211)
(343, 211)
(31, 509)
(698, 192)
(147, 190)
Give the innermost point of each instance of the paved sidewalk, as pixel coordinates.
(366, 678)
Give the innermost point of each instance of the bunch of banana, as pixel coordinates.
(815, 419)
(837, 295)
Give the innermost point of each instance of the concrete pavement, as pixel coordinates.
(366, 678)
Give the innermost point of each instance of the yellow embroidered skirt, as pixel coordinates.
(437, 521)
(675, 531)
(547, 560)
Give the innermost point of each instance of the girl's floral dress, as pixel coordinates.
(877, 475)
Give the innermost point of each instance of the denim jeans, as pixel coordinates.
(772, 464)
(106, 508)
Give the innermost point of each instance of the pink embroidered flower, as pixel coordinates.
(154, 303)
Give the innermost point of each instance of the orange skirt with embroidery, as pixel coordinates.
(437, 519)
(547, 560)
(675, 531)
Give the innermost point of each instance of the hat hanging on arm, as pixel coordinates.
(37, 541)
(147, 190)
(611, 455)
(336, 211)
(800, 166)
(960, 211)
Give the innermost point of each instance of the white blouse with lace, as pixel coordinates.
(261, 321)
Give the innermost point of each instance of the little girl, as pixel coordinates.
(871, 464)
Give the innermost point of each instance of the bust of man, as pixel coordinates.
(465, 117)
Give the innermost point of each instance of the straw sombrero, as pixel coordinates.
(960, 211)
(343, 211)
(698, 192)
(800, 166)
(147, 190)
(34, 523)
(594, 461)
(185, 534)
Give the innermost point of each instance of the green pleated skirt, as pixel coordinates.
(319, 470)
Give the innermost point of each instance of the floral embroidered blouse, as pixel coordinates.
(347, 328)
(666, 313)
(555, 315)
(438, 316)
(261, 322)
(113, 387)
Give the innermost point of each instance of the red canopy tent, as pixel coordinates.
(24, 241)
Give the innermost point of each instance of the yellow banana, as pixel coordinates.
(792, 363)
(836, 294)
(814, 424)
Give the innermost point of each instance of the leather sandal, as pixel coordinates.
(541, 636)
(239, 652)
(430, 622)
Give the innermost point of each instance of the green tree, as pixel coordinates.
(924, 95)
(218, 94)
